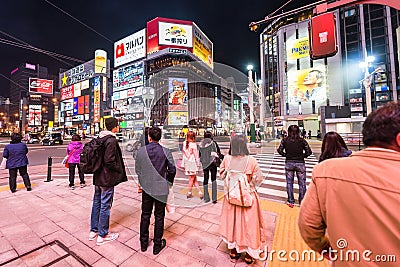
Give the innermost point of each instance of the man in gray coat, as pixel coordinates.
(156, 171)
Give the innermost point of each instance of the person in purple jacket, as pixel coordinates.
(74, 150)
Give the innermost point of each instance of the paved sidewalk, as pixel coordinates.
(52, 212)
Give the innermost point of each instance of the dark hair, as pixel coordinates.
(332, 146)
(16, 138)
(155, 133)
(190, 137)
(208, 134)
(76, 137)
(146, 135)
(238, 146)
(293, 133)
(111, 123)
(382, 126)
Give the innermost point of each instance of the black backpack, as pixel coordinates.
(91, 158)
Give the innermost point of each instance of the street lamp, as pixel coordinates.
(251, 105)
(148, 97)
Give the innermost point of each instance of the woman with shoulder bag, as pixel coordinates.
(243, 227)
(209, 154)
(190, 162)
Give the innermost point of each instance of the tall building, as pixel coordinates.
(30, 93)
(329, 93)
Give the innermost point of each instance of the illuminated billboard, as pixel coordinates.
(177, 118)
(202, 46)
(35, 115)
(130, 48)
(96, 103)
(163, 33)
(128, 76)
(297, 48)
(323, 36)
(178, 101)
(41, 86)
(67, 92)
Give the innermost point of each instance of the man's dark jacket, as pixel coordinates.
(15, 154)
(155, 168)
(112, 171)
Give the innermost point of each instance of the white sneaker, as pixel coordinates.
(92, 235)
(108, 238)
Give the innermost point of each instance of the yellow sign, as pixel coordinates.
(50, 124)
(298, 48)
(100, 61)
(202, 47)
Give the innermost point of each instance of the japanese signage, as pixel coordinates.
(177, 108)
(130, 48)
(298, 48)
(323, 36)
(96, 102)
(41, 86)
(128, 76)
(35, 115)
(202, 46)
(177, 118)
(67, 92)
(100, 61)
(175, 34)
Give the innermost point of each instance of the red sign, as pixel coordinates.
(81, 105)
(153, 34)
(67, 92)
(323, 36)
(41, 86)
(119, 50)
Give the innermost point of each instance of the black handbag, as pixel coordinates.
(217, 160)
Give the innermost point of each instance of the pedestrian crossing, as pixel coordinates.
(272, 166)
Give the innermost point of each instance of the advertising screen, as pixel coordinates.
(177, 118)
(178, 88)
(202, 46)
(130, 48)
(81, 105)
(175, 34)
(35, 115)
(307, 85)
(297, 48)
(100, 61)
(323, 36)
(75, 112)
(128, 76)
(121, 106)
(41, 86)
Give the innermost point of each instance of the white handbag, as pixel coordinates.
(3, 164)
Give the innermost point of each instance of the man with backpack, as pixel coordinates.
(156, 171)
(110, 173)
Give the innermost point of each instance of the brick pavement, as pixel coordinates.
(53, 212)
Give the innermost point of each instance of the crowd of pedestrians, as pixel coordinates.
(351, 194)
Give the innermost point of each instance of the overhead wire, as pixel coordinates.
(84, 24)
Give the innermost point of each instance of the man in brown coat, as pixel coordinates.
(350, 213)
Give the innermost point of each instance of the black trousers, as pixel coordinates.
(213, 170)
(159, 214)
(23, 171)
(71, 169)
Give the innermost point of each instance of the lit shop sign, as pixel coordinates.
(35, 115)
(96, 106)
(41, 86)
(298, 48)
(30, 66)
(323, 36)
(14, 71)
(130, 48)
(175, 34)
(177, 51)
(133, 116)
(202, 46)
(67, 92)
(128, 77)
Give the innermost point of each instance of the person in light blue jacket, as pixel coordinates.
(15, 153)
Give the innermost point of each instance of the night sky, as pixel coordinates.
(42, 25)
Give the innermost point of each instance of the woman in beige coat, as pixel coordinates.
(243, 228)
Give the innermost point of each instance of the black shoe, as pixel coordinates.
(214, 202)
(157, 248)
(13, 191)
(143, 246)
(29, 188)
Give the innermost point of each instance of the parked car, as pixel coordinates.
(52, 138)
(33, 138)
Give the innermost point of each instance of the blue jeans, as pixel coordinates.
(102, 202)
(300, 169)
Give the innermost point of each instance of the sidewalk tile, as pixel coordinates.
(202, 237)
(44, 227)
(115, 251)
(8, 255)
(26, 243)
(62, 236)
(104, 263)
(40, 257)
(211, 256)
(172, 257)
(177, 228)
(139, 259)
(16, 263)
(86, 253)
(134, 243)
(4, 245)
(195, 223)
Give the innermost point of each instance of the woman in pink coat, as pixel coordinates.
(243, 228)
(191, 162)
(74, 150)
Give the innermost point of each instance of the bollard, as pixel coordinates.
(49, 163)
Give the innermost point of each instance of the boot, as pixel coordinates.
(206, 194)
(214, 191)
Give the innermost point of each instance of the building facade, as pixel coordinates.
(299, 89)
